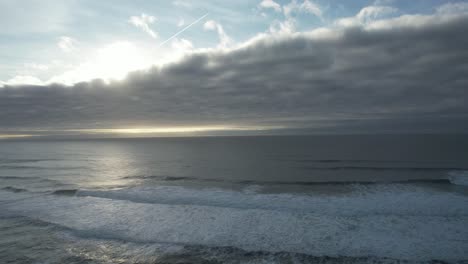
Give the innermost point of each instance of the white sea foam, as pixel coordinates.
(366, 223)
(384, 199)
(459, 177)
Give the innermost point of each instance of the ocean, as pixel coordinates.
(259, 199)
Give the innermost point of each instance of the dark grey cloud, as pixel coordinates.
(393, 78)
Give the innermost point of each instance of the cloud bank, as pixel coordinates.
(407, 73)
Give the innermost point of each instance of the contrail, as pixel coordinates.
(182, 30)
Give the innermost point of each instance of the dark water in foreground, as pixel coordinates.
(315, 199)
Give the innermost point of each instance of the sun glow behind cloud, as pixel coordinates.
(300, 64)
(138, 131)
(11, 136)
(111, 62)
(170, 130)
(108, 61)
(116, 60)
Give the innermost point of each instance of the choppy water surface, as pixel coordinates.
(325, 199)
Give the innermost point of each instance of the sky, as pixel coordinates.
(85, 67)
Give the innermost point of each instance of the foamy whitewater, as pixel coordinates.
(342, 199)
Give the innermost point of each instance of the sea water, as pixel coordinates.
(270, 199)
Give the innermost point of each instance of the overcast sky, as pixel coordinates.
(92, 67)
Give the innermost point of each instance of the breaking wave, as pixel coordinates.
(394, 222)
(116, 251)
(384, 199)
(459, 177)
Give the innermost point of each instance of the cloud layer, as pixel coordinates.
(407, 73)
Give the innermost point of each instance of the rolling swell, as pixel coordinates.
(65, 192)
(7, 161)
(165, 178)
(19, 167)
(253, 182)
(30, 179)
(25, 178)
(379, 168)
(60, 192)
(14, 189)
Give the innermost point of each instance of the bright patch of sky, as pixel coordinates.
(72, 41)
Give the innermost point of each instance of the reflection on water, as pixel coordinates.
(332, 199)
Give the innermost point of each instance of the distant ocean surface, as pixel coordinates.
(270, 199)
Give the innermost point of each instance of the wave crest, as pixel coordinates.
(459, 177)
(383, 199)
